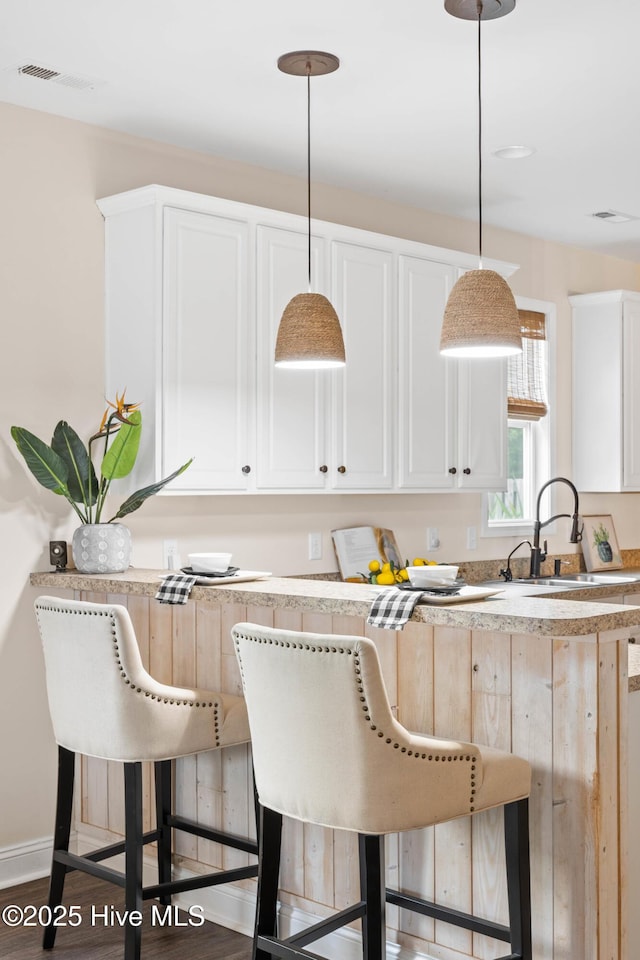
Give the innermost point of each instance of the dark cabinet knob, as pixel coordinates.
(246, 469)
(342, 469)
(467, 470)
(452, 470)
(324, 468)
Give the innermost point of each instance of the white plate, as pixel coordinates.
(240, 576)
(466, 593)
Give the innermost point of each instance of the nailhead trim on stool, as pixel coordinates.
(328, 751)
(89, 666)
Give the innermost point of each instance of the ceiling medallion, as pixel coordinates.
(487, 9)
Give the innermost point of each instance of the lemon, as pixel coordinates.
(386, 567)
(386, 578)
(374, 566)
(402, 574)
(431, 563)
(419, 562)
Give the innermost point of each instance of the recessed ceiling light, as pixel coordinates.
(517, 152)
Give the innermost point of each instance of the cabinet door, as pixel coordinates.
(291, 421)
(482, 424)
(207, 348)
(427, 454)
(631, 409)
(363, 407)
(605, 349)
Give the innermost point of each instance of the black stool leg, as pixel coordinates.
(270, 833)
(64, 804)
(516, 832)
(372, 891)
(256, 805)
(162, 771)
(133, 847)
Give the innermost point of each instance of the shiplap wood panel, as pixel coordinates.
(532, 737)
(95, 772)
(138, 608)
(607, 807)
(491, 725)
(415, 677)
(453, 717)
(559, 702)
(624, 835)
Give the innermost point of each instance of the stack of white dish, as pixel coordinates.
(209, 562)
(433, 575)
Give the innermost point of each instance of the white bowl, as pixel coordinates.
(439, 575)
(209, 562)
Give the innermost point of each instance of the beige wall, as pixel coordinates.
(51, 305)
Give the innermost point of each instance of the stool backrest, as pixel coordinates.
(326, 746)
(102, 701)
(92, 663)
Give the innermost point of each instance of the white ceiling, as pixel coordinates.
(397, 120)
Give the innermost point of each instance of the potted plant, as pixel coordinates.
(66, 467)
(601, 543)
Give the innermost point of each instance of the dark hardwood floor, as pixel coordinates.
(104, 941)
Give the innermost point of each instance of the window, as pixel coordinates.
(511, 511)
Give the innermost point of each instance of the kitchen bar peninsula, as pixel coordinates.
(543, 677)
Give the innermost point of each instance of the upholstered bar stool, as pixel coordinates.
(327, 750)
(103, 703)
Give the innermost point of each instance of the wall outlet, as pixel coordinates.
(433, 539)
(315, 546)
(170, 555)
(472, 538)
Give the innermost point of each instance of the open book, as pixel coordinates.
(356, 547)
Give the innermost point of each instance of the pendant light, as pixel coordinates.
(309, 335)
(481, 317)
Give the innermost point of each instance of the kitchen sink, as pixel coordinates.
(580, 579)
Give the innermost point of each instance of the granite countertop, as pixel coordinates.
(529, 609)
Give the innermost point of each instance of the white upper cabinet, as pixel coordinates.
(452, 413)
(195, 288)
(292, 404)
(329, 429)
(363, 402)
(482, 424)
(207, 345)
(606, 391)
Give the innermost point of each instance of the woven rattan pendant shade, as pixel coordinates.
(309, 334)
(480, 318)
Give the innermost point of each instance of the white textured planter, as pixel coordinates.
(101, 548)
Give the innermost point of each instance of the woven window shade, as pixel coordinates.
(526, 389)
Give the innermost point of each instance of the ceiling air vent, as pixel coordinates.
(613, 216)
(41, 72)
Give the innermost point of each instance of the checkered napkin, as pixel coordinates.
(175, 588)
(392, 608)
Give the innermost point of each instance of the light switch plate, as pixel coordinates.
(433, 538)
(315, 546)
(170, 555)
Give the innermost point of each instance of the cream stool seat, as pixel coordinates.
(327, 750)
(103, 703)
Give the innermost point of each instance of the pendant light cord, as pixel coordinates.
(479, 135)
(309, 172)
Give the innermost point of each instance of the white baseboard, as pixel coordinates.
(25, 861)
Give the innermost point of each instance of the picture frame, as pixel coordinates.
(600, 544)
